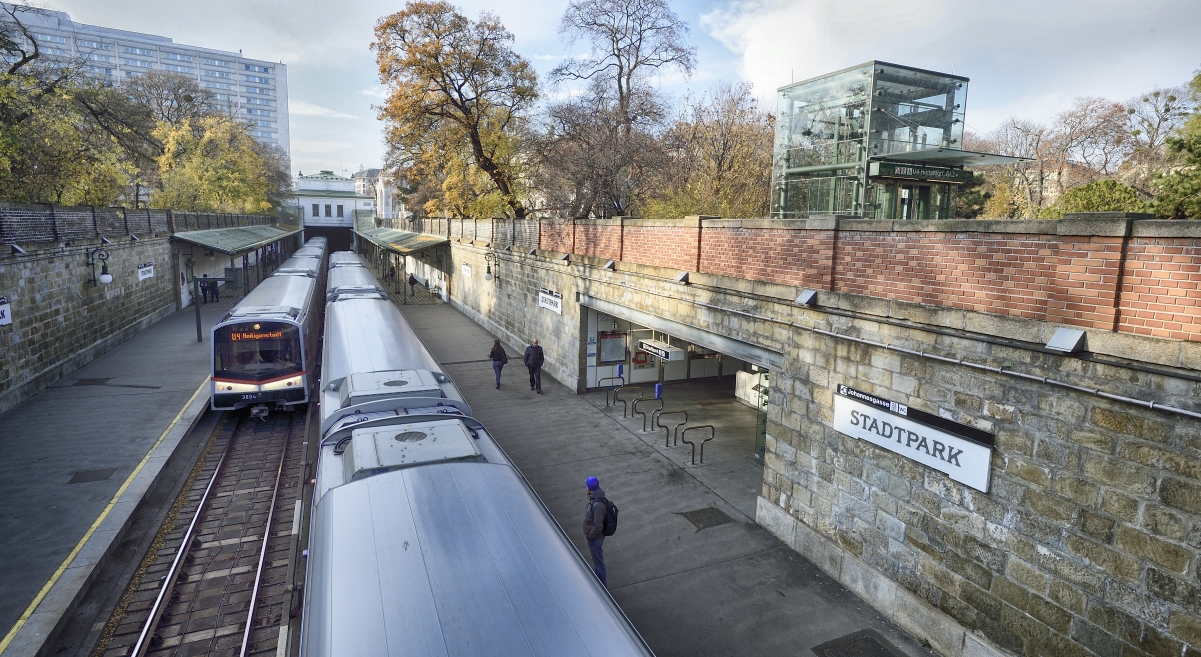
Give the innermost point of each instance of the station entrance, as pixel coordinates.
(687, 375)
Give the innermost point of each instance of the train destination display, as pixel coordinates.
(886, 424)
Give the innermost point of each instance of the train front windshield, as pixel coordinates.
(257, 351)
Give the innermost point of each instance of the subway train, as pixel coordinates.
(348, 276)
(424, 539)
(263, 348)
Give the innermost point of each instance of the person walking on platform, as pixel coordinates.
(533, 362)
(413, 293)
(215, 290)
(204, 288)
(499, 359)
(594, 527)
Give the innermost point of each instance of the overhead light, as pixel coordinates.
(610, 265)
(682, 278)
(1067, 341)
(807, 298)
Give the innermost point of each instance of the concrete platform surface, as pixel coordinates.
(70, 449)
(729, 589)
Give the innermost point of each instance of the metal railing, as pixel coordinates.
(668, 439)
(601, 384)
(625, 403)
(635, 410)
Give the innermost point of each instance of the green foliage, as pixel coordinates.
(1097, 196)
(970, 198)
(1178, 193)
(211, 165)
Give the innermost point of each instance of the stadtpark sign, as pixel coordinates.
(964, 453)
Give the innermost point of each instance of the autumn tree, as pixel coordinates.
(214, 164)
(1178, 191)
(719, 156)
(457, 95)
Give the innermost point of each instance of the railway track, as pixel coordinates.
(219, 578)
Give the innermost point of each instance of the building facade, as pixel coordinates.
(877, 140)
(383, 186)
(329, 200)
(258, 89)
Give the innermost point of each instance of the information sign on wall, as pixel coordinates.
(918, 172)
(888, 424)
(662, 350)
(145, 271)
(551, 300)
(466, 270)
(6, 316)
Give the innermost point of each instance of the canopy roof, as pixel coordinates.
(951, 157)
(400, 241)
(236, 241)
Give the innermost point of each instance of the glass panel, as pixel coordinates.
(915, 110)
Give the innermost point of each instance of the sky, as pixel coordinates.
(1026, 59)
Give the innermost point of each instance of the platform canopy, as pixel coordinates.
(950, 157)
(238, 240)
(400, 241)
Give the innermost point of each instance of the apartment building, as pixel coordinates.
(257, 88)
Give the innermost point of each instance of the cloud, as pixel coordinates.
(375, 92)
(318, 147)
(305, 108)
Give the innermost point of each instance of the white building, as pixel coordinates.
(382, 185)
(328, 200)
(257, 88)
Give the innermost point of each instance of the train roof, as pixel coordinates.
(345, 258)
(452, 559)
(277, 297)
(351, 278)
(300, 265)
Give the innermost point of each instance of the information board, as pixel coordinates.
(613, 348)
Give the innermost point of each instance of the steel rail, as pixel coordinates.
(145, 637)
(258, 576)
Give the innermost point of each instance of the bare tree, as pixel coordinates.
(170, 97)
(1151, 119)
(629, 40)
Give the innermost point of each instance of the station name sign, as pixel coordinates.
(916, 172)
(965, 458)
(662, 350)
(551, 300)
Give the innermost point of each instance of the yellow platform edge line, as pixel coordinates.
(62, 568)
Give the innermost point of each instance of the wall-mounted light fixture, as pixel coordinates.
(1068, 341)
(18, 250)
(533, 252)
(210, 256)
(105, 278)
(491, 259)
(610, 265)
(565, 258)
(682, 278)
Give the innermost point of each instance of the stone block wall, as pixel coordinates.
(61, 321)
(1088, 541)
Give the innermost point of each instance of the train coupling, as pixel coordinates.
(259, 411)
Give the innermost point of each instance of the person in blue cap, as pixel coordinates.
(594, 525)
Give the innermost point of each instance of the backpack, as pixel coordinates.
(610, 526)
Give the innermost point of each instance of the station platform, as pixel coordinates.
(707, 583)
(80, 456)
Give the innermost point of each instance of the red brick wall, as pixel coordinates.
(792, 257)
(1160, 295)
(599, 241)
(1067, 279)
(662, 246)
(555, 236)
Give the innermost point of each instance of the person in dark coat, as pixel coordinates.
(533, 362)
(204, 288)
(215, 290)
(594, 526)
(499, 358)
(413, 288)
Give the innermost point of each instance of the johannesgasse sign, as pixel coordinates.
(887, 424)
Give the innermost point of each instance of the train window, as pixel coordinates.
(257, 352)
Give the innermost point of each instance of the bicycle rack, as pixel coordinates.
(625, 403)
(634, 410)
(683, 438)
(659, 424)
(601, 384)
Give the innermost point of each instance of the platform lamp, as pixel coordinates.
(491, 259)
(105, 278)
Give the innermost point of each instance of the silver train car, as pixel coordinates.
(262, 349)
(345, 259)
(348, 279)
(424, 538)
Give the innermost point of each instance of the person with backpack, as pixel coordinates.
(499, 359)
(204, 289)
(533, 359)
(413, 286)
(600, 520)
